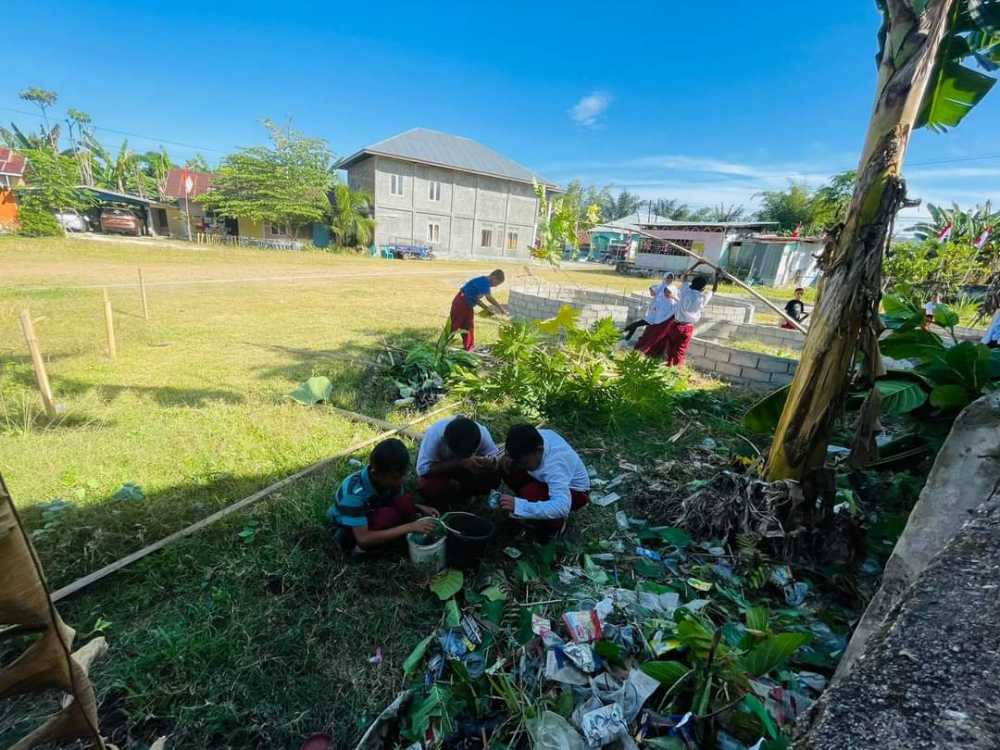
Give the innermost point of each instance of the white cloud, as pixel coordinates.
(588, 110)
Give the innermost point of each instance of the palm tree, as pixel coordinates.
(671, 208)
(923, 80)
(624, 204)
(351, 224)
(726, 213)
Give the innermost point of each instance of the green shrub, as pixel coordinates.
(37, 221)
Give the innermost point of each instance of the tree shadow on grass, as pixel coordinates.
(221, 639)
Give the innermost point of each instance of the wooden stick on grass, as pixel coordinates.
(142, 296)
(38, 363)
(246, 502)
(109, 325)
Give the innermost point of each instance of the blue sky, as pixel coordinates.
(705, 102)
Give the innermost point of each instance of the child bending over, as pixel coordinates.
(369, 509)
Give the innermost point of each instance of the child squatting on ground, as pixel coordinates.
(369, 510)
(546, 474)
(463, 307)
(457, 462)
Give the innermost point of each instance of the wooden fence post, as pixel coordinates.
(41, 377)
(109, 324)
(142, 295)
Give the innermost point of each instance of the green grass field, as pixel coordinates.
(254, 633)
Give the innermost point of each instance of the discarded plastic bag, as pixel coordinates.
(552, 732)
(604, 725)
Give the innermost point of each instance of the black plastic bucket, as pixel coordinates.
(467, 538)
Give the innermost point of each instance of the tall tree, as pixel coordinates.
(78, 125)
(561, 218)
(41, 98)
(351, 223)
(922, 80)
(287, 182)
(726, 213)
(671, 208)
(789, 208)
(198, 163)
(623, 204)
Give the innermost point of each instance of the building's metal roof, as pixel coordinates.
(707, 224)
(174, 189)
(11, 164)
(444, 150)
(632, 222)
(113, 196)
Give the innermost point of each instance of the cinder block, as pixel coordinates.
(755, 375)
(746, 359)
(717, 353)
(779, 379)
(724, 368)
(773, 364)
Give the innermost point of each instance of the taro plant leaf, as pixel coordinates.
(416, 655)
(452, 617)
(900, 396)
(670, 535)
(763, 416)
(912, 344)
(950, 397)
(667, 673)
(755, 707)
(772, 651)
(313, 391)
(447, 583)
(757, 619)
(901, 314)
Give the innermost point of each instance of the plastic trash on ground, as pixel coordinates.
(551, 731)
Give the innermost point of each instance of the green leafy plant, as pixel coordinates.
(422, 373)
(447, 583)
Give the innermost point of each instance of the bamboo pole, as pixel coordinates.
(142, 296)
(256, 497)
(736, 281)
(109, 325)
(41, 376)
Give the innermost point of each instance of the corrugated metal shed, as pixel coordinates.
(444, 150)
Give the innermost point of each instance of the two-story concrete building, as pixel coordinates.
(449, 193)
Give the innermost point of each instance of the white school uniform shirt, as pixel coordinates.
(993, 332)
(691, 304)
(663, 305)
(562, 470)
(433, 447)
(929, 308)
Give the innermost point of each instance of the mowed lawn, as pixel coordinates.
(254, 632)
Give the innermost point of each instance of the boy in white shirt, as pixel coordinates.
(457, 461)
(690, 306)
(548, 476)
(992, 336)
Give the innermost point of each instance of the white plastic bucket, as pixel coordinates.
(429, 557)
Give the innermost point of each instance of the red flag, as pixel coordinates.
(187, 184)
(945, 234)
(797, 232)
(983, 238)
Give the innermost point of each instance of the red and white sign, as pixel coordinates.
(983, 238)
(945, 234)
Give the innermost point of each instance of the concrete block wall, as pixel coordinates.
(740, 367)
(535, 305)
(724, 330)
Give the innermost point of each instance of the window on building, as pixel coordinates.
(499, 239)
(433, 232)
(434, 190)
(512, 240)
(396, 188)
(487, 238)
(279, 229)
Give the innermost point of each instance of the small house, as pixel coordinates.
(709, 239)
(775, 260)
(12, 168)
(619, 237)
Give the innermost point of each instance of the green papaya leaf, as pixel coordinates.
(313, 391)
(666, 672)
(565, 319)
(763, 416)
(950, 397)
(900, 396)
(416, 655)
(772, 651)
(447, 583)
(945, 317)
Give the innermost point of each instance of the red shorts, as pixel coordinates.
(463, 318)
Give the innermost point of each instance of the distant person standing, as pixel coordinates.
(795, 309)
(930, 308)
(690, 305)
(463, 307)
(661, 309)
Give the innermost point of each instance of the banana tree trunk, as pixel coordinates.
(845, 319)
